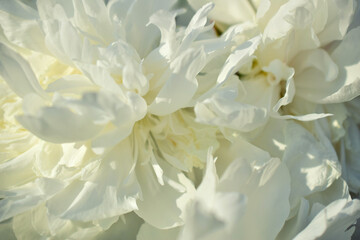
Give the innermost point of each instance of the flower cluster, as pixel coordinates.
(188, 120)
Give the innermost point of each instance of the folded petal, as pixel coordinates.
(312, 163)
(18, 73)
(20, 24)
(110, 191)
(333, 221)
(181, 85)
(241, 55)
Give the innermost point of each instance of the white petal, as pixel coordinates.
(304, 118)
(63, 40)
(332, 222)
(100, 77)
(112, 190)
(73, 120)
(207, 189)
(28, 196)
(20, 25)
(17, 171)
(148, 232)
(165, 21)
(312, 163)
(156, 198)
(127, 227)
(293, 20)
(267, 186)
(241, 55)
(347, 57)
(181, 85)
(18, 73)
(228, 11)
(316, 75)
(136, 21)
(91, 16)
(59, 125)
(196, 26)
(134, 79)
(224, 110)
(339, 18)
(201, 223)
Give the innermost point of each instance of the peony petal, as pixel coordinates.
(207, 189)
(346, 56)
(196, 26)
(148, 232)
(340, 15)
(267, 186)
(112, 190)
(333, 221)
(222, 109)
(17, 171)
(60, 125)
(241, 55)
(201, 223)
(312, 163)
(91, 17)
(156, 198)
(304, 118)
(181, 85)
(74, 120)
(228, 11)
(136, 28)
(165, 21)
(127, 227)
(20, 25)
(28, 196)
(18, 73)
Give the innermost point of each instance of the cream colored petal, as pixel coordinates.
(340, 15)
(136, 29)
(224, 110)
(181, 85)
(228, 11)
(18, 73)
(267, 186)
(110, 191)
(241, 55)
(333, 221)
(17, 171)
(159, 205)
(20, 24)
(346, 56)
(59, 125)
(312, 163)
(148, 232)
(27, 196)
(127, 227)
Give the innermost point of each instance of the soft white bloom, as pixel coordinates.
(122, 118)
(289, 65)
(229, 208)
(287, 54)
(108, 106)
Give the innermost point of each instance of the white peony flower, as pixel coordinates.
(229, 207)
(250, 201)
(108, 105)
(284, 58)
(129, 118)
